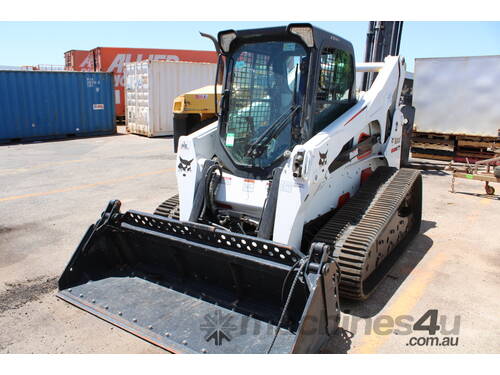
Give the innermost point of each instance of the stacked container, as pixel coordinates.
(152, 86)
(113, 60)
(76, 60)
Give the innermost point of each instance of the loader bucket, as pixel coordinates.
(189, 287)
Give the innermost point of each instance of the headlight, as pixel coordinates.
(226, 39)
(305, 33)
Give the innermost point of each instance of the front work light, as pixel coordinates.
(226, 39)
(305, 33)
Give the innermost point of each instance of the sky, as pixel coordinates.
(33, 43)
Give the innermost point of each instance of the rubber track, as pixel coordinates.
(354, 228)
(169, 208)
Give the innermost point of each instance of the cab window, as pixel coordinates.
(334, 87)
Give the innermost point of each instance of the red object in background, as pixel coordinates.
(111, 59)
(75, 59)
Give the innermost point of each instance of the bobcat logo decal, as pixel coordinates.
(184, 165)
(322, 158)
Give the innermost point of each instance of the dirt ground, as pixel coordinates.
(50, 192)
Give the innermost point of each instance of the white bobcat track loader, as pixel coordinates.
(293, 197)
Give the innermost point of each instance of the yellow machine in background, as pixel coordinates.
(194, 110)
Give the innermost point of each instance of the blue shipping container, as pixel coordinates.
(41, 105)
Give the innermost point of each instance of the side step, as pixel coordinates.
(370, 231)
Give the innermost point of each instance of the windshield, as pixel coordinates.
(266, 82)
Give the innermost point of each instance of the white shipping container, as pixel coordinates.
(457, 95)
(152, 86)
(11, 67)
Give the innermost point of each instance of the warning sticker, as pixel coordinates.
(289, 186)
(248, 186)
(230, 139)
(98, 107)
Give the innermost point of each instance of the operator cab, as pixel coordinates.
(282, 85)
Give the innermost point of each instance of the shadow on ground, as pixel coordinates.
(436, 172)
(59, 139)
(340, 343)
(492, 197)
(398, 273)
(402, 268)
